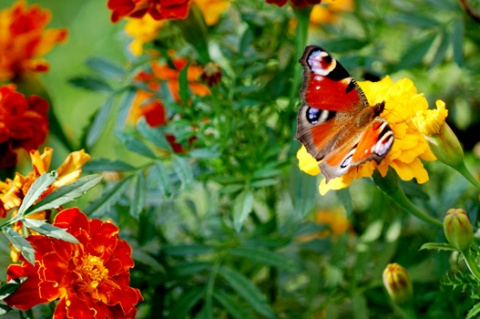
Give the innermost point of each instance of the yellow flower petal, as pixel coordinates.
(71, 168)
(430, 122)
(306, 162)
(212, 9)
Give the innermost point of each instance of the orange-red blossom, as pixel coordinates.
(90, 279)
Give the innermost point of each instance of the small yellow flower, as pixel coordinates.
(142, 30)
(212, 9)
(402, 102)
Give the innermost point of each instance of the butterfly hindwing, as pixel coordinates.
(335, 122)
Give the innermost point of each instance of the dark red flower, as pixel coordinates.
(295, 3)
(91, 279)
(158, 9)
(23, 123)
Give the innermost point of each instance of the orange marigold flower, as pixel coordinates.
(23, 39)
(295, 3)
(13, 191)
(336, 221)
(148, 105)
(91, 279)
(23, 123)
(158, 9)
(402, 102)
(212, 9)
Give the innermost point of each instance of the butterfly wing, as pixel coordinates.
(335, 122)
(331, 99)
(371, 142)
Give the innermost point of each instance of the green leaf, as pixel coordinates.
(235, 309)
(138, 196)
(105, 67)
(345, 44)
(183, 169)
(38, 187)
(437, 246)
(264, 182)
(9, 288)
(264, 256)
(90, 83)
(183, 85)
(20, 243)
(106, 165)
(190, 268)
(66, 193)
(154, 135)
(245, 41)
(135, 145)
(415, 53)
(99, 122)
(419, 19)
(160, 174)
(4, 309)
(242, 206)
(109, 198)
(195, 31)
(473, 312)
(205, 153)
(303, 191)
(124, 109)
(458, 37)
(42, 227)
(441, 50)
(142, 257)
(187, 250)
(345, 198)
(247, 290)
(185, 303)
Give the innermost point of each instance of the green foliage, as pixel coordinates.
(221, 221)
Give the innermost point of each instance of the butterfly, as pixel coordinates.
(335, 123)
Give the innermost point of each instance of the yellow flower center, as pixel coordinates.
(92, 268)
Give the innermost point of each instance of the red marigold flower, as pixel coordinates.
(295, 3)
(24, 39)
(91, 279)
(23, 123)
(158, 9)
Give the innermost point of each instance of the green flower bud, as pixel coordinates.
(398, 283)
(458, 229)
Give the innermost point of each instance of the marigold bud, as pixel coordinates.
(212, 74)
(440, 137)
(398, 283)
(458, 229)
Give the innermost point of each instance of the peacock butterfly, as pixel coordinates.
(335, 123)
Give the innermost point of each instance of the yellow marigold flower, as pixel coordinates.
(23, 39)
(13, 191)
(402, 102)
(327, 11)
(212, 9)
(142, 30)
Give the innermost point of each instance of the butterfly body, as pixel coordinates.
(336, 124)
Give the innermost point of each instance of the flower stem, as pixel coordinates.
(389, 185)
(462, 169)
(303, 18)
